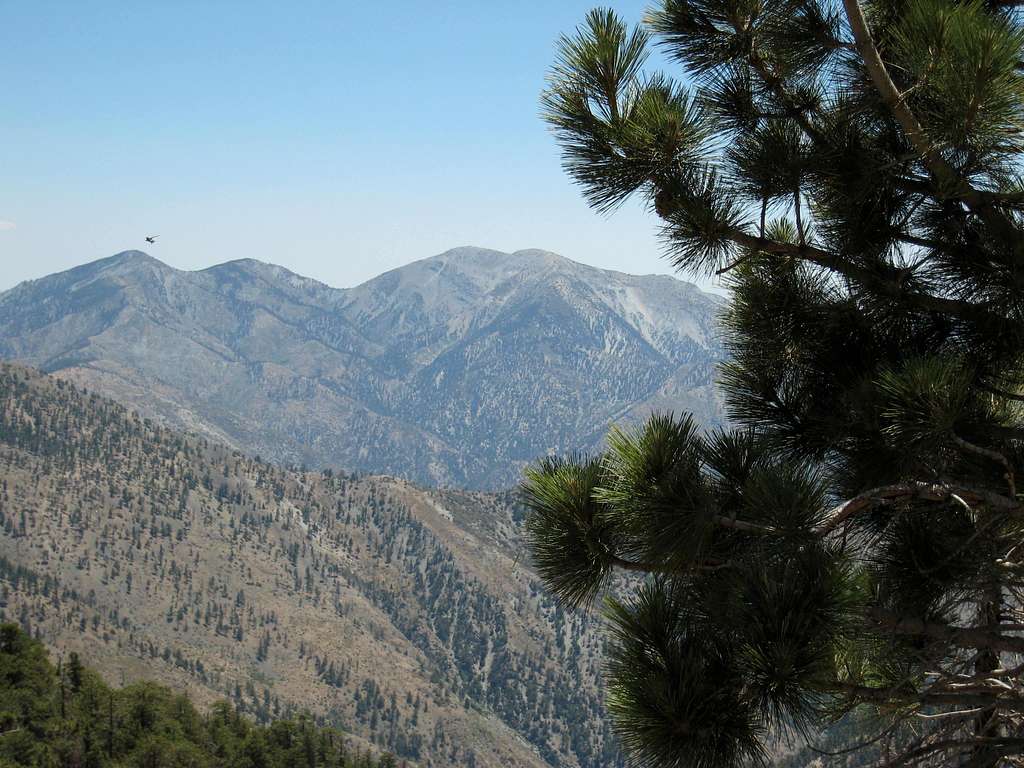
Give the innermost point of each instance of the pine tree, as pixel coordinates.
(855, 542)
(75, 670)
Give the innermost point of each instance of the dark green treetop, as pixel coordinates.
(853, 172)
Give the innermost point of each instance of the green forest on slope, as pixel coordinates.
(68, 716)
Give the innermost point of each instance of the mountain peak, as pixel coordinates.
(539, 253)
(489, 257)
(274, 275)
(128, 258)
(469, 269)
(133, 254)
(123, 263)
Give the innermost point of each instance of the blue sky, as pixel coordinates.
(339, 139)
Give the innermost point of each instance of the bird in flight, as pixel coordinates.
(152, 238)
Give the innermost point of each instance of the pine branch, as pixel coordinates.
(922, 301)
(741, 525)
(858, 746)
(914, 490)
(995, 456)
(870, 499)
(916, 754)
(1000, 432)
(733, 264)
(799, 216)
(960, 714)
(905, 696)
(970, 638)
(1001, 392)
(629, 565)
(706, 564)
(777, 86)
(923, 242)
(943, 173)
(1006, 199)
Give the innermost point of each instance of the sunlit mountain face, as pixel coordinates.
(454, 371)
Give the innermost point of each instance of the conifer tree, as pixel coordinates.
(855, 540)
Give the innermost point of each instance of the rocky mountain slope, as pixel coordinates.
(400, 615)
(454, 371)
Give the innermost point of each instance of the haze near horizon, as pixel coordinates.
(305, 137)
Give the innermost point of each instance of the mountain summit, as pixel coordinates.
(454, 370)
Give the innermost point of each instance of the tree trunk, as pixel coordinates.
(987, 723)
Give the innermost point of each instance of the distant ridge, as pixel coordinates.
(454, 370)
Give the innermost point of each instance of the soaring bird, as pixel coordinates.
(152, 238)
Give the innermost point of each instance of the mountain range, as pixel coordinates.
(453, 371)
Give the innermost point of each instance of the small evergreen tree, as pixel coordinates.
(75, 670)
(852, 170)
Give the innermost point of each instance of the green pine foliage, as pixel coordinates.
(852, 551)
(67, 716)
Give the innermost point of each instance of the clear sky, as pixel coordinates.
(339, 139)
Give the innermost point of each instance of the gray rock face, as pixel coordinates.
(455, 370)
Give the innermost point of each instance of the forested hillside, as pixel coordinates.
(401, 616)
(68, 715)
